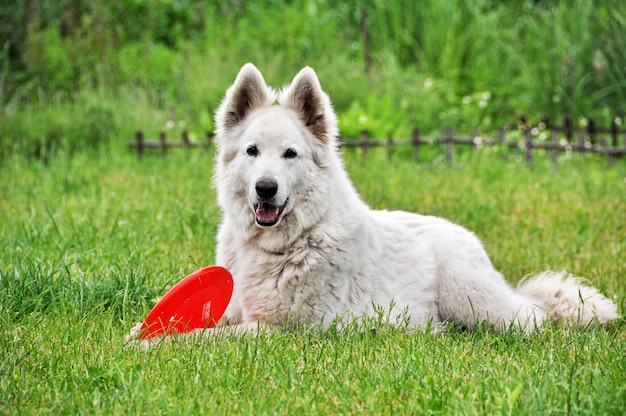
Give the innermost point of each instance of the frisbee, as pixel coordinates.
(197, 301)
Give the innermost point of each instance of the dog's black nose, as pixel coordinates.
(266, 188)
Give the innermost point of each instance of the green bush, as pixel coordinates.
(41, 134)
(47, 60)
(432, 63)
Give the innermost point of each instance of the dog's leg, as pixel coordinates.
(473, 296)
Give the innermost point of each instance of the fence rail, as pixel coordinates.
(141, 144)
(556, 139)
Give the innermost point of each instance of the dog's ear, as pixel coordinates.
(311, 104)
(248, 93)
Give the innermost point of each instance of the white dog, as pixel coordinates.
(303, 248)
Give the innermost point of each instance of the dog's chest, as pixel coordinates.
(292, 288)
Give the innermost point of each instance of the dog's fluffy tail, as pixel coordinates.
(567, 299)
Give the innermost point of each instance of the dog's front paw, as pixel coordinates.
(134, 333)
(132, 339)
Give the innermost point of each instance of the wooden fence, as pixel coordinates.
(608, 142)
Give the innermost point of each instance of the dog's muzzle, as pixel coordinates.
(267, 213)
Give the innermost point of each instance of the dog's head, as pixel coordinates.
(271, 156)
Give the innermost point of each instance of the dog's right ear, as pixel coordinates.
(248, 93)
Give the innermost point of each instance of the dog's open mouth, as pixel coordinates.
(268, 214)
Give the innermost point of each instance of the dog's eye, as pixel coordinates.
(290, 154)
(252, 151)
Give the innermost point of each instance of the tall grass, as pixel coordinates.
(551, 59)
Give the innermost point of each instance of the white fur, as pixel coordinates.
(329, 256)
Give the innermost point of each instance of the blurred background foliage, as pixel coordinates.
(81, 74)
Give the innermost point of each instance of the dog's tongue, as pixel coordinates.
(266, 212)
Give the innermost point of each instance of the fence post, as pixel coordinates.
(140, 144)
(186, 140)
(568, 128)
(390, 147)
(555, 149)
(614, 131)
(591, 129)
(415, 141)
(501, 138)
(448, 144)
(607, 151)
(528, 144)
(163, 141)
(364, 142)
(209, 138)
(581, 144)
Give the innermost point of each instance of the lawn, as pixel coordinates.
(91, 237)
(90, 242)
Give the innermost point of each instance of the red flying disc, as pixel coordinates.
(197, 301)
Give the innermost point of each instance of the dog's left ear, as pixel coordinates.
(311, 104)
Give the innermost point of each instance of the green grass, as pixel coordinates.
(91, 242)
(83, 367)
